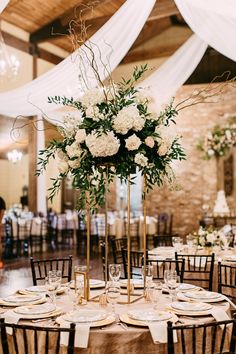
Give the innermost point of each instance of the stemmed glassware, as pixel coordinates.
(114, 272)
(149, 274)
(177, 243)
(172, 281)
(52, 283)
(113, 293)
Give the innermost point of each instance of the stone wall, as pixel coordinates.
(197, 177)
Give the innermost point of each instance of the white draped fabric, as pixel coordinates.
(166, 80)
(111, 43)
(213, 21)
(3, 4)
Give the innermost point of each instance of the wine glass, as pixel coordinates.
(190, 241)
(113, 293)
(54, 280)
(114, 272)
(173, 281)
(148, 270)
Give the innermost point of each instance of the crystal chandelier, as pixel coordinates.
(9, 64)
(14, 156)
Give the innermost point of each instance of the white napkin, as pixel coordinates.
(81, 335)
(158, 332)
(12, 318)
(219, 315)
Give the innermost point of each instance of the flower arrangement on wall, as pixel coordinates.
(219, 141)
(118, 133)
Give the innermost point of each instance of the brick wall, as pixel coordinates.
(196, 176)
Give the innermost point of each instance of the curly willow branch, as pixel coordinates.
(206, 95)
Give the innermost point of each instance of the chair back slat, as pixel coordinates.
(211, 338)
(160, 265)
(136, 262)
(227, 279)
(28, 339)
(40, 268)
(196, 265)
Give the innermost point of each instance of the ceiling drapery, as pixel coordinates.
(3, 4)
(112, 41)
(213, 21)
(166, 80)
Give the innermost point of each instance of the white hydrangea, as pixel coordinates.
(70, 125)
(141, 160)
(73, 150)
(128, 118)
(80, 136)
(102, 145)
(133, 142)
(93, 112)
(63, 166)
(92, 97)
(74, 163)
(210, 152)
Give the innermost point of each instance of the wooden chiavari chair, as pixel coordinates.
(196, 265)
(40, 268)
(160, 265)
(227, 280)
(210, 338)
(28, 339)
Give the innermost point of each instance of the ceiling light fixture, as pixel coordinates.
(9, 63)
(14, 155)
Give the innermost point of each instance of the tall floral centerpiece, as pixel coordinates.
(117, 133)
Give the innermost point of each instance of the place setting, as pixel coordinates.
(20, 300)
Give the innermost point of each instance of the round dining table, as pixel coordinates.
(119, 337)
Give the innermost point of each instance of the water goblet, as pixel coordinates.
(114, 272)
(50, 289)
(113, 293)
(154, 293)
(54, 280)
(148, 270)
(190, 241)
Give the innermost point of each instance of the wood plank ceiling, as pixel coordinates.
(48, 21)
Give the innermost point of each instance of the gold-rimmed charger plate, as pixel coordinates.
(105, 322)
(28, 292)
(14, 304)
(128, 320)
(57, 312)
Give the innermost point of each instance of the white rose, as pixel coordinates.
(210, 237)
(141, 160)
(63, 166)
(74, 163)
(133, 142)
(92, 97)
(73, 150)
(163, 148)
(62, 156)
(80, 136)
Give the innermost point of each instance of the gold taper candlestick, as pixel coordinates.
(128, 236)
(144, 230)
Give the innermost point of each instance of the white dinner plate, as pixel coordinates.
(138, 283)
(187, 287)
(190, 306)
(35, 309)
(149, 315)
(85, 316)
(203, 295)
(22, 298)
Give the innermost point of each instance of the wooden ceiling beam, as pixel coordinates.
(30, 48)
(153, 53)
(60, 26)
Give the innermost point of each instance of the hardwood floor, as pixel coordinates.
(16, 273)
